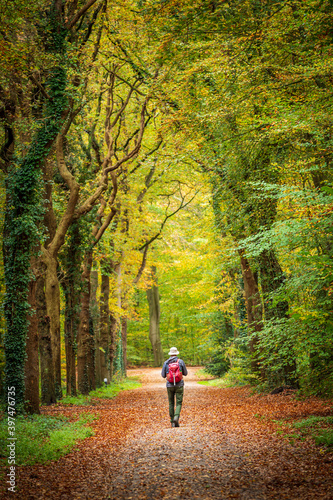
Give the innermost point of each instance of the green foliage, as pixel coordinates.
(41, 439)
(312, 421)
(218, 364)
(254, 98)
(324, 437)
(238, 359)
(316, 427)
(187, 269)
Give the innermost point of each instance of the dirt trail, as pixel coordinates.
(220, 451)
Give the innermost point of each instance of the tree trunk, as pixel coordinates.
(124, 342)
(86, 347)
(154, 320)
(71, 284)
(45, 346)
(114, 320)
(113, 342)
(71, 310)
(104, 353)
(253, 310)
(94, 314)
(272, 278)
(32, 361)
(52, 296)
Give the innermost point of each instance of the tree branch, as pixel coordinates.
(181, 206)
(152, 151)
(74, 188)
(80, 13)
(142, 267)
(137, 147)
(99, 231)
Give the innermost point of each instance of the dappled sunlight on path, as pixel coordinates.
(221, 450)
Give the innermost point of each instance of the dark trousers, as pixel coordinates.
(175, 392)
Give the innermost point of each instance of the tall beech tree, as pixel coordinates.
(24, 172)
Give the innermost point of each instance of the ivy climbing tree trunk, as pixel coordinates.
(50, 250)
(154, 319)
(24, 186)
(23, 213)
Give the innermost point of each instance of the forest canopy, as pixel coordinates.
(166, 179)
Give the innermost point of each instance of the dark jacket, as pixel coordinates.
(165, 370)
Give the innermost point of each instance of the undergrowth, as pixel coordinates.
(316, 427)
(42, 438)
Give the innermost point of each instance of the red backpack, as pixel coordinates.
(175, 375)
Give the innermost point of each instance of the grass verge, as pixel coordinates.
(203, 375)
(233, 378)
(108, 392)
(42, 438)
(216, 382)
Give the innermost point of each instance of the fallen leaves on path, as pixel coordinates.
(222, 449)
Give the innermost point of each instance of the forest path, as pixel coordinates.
(221, 450)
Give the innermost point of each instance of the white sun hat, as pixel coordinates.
(173, 351)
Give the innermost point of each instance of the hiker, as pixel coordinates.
(173, 370)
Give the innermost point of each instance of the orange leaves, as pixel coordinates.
(226, 447)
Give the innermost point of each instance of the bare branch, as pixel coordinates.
(133, 87)
(137, 147)
(122, 108)
(99, 231)
(80, 13)
(152, 151)
(142, 267)
(181, 206)
(90, 202)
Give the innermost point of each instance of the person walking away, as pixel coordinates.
(173, 370)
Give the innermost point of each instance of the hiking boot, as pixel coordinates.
(176, 421)
(173, 424)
